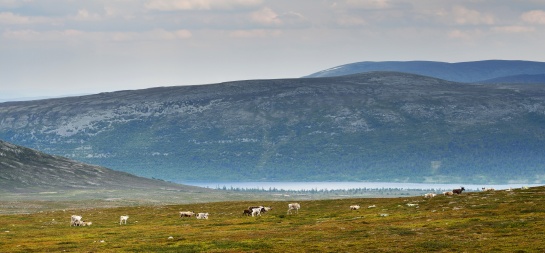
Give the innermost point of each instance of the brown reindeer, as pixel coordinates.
(458, 191)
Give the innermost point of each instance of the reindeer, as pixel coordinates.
(458, 191)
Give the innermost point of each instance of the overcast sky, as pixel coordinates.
(64, 47)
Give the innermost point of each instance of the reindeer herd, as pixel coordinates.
(254, 211)
(77, 220)
(455, 191)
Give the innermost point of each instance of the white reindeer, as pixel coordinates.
(123, 219)
(294, 206)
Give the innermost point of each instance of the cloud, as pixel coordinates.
(177, 5)
(82, 36)
(534, 17)
(464, 35)
(256, 33)
(9, 18)
(457, 34)
(465, 16)
(350, 20)
(353, 14)
(154, 35)
(13, 19)
(12, 3)
(38, 36)
(369, 4)
(513, 29)
(291, 17)
(182, 34)
(267, 17)
(85, 15)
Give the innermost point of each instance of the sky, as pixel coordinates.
(72, 47)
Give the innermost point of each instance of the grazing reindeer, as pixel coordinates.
(123, 219)
(458, 191)
(294, 206)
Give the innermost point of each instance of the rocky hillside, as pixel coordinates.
(27, 170)
(491, 71)
(379, 126)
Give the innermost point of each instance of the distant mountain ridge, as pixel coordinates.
(518, 79)
(26, 170)
(377, 126)
(489, 71)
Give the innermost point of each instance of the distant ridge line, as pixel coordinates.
(486, 71)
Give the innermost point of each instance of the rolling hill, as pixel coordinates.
(377, 126)
(27, 170)
(490, 71)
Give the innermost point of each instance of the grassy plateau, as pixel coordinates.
(497, 221)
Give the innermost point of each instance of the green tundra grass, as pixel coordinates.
(499, 221)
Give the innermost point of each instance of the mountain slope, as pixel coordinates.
(379, 126)
(23, 169)
(504, 71)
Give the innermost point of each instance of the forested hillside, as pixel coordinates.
(379, 126)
